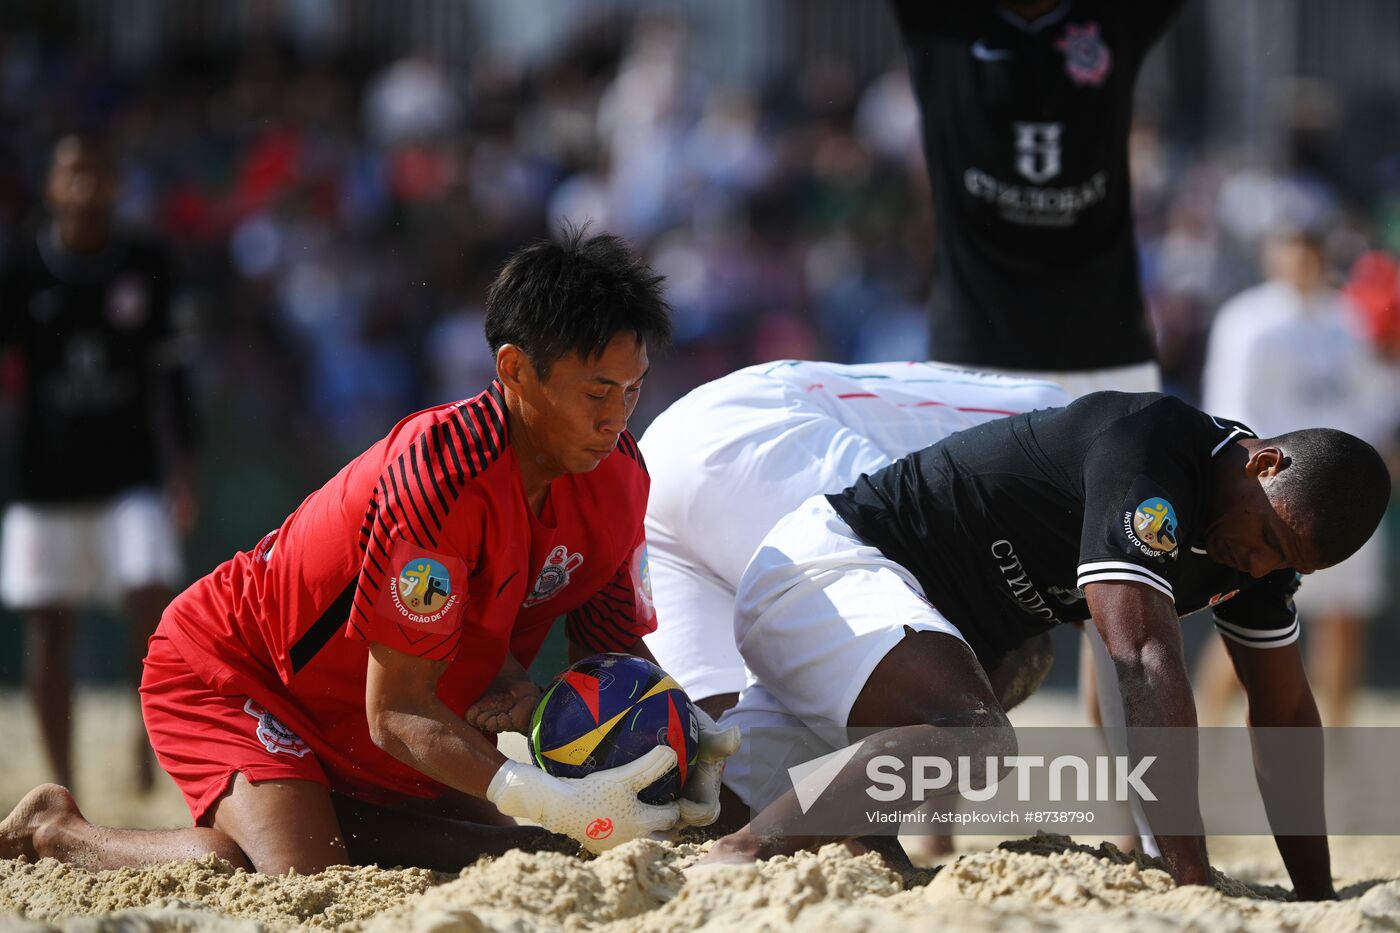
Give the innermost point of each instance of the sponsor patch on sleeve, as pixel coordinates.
(1148, 523)
(425, 592)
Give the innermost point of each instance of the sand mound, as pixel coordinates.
(548, 891)
(639, 887)
(192, 894)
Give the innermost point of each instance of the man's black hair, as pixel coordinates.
(1338, 483)
(575, 294)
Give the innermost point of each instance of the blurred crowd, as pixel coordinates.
(337, 218)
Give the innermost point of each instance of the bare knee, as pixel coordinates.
(977, 733)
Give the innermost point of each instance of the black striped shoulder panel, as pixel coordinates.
(627, 444)
(417, 488)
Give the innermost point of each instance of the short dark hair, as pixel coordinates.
(1339, 482)
(575, 294)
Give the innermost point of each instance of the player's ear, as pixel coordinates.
(1266, 461)
(513, 367)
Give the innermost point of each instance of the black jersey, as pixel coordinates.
(1026, 138)
(94, 336)
(1005, 523)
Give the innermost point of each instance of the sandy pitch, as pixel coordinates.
(1042, 884)
(1045, 884)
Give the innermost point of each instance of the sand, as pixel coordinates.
(1047, 883)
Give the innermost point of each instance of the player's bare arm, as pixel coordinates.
(1278, 695)
(408, 721)
(1140, 629)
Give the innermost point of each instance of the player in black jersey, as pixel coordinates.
(105, 422)
(1026, 110)
(884, 605)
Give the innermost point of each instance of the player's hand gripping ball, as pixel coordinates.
(611, 709)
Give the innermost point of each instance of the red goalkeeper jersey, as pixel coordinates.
(424, 543)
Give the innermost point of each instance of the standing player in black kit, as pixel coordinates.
(1026, 112)
(105, 432)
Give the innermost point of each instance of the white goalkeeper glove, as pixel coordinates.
(599, 811)
(700, 800)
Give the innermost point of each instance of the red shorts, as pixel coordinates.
(203, 738)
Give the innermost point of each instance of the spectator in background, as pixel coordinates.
(105, 421)
(1282, 355)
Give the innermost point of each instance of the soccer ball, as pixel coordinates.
(608, 710)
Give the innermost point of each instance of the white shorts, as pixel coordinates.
(736, 455)
(693, 641)
(1357, 587)
(817, 610)
(71, 555)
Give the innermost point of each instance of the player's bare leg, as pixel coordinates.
(1337, 641)
(917, 709)
(1018, 675)
(50, 635)
(281, 825)
(143, 607)
(48, 824)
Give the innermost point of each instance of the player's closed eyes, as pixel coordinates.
(631, 390)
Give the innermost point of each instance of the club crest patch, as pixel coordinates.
(1087, 58)
(1153, 526)
(423, 591)
(274, 734)
(554, 575)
